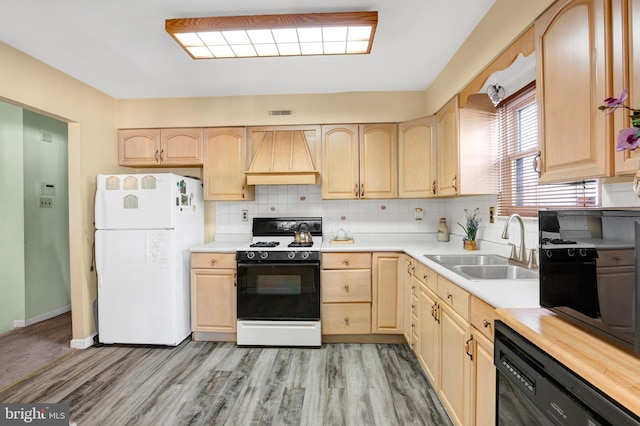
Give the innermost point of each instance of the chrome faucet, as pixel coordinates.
(522, 256)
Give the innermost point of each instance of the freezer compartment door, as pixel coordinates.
(137, 201)
(141, 300)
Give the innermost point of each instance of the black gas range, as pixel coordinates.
(278, 286)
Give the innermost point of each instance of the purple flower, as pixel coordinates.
(616, 102)
(628, 139)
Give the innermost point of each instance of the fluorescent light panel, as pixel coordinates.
(275, 35)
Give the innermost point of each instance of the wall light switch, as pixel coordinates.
(418, 214)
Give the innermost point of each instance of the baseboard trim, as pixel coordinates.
(85, 343)
(41, 317)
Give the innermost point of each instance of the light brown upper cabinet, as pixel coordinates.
(160, 147)
(573, 53)
(417, 158)
(224, 165)
(360, 161)
(626, 65)
(466, 147)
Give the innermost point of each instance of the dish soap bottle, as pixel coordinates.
(443, 230)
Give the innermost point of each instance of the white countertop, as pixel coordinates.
(497, 293)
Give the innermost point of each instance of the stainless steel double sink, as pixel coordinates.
(483, 267)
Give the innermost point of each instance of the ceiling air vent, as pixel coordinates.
(280, 112)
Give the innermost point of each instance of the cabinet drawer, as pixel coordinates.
(346, 318)
(615, 258)
(482, 317)
(454, 296)
(346, 260)
(428, 277)
(213, 260)
(346, 286)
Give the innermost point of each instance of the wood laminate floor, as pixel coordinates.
(24, 350)
(207, 383)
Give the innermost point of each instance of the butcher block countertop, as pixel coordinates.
(612, 370)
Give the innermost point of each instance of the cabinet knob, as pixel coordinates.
(485, 323)
(362, 190)
(213, 261)
(425, 276)
(346, 320)
(346, 287)
(346, 261)
(357, 192)
(450, 296)
(413, 287)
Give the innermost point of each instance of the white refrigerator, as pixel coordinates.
(145, 226)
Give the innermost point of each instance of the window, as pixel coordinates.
(519, 189)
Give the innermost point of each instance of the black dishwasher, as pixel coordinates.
(532, 388)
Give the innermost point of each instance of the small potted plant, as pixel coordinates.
(470, 228)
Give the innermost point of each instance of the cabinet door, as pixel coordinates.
(378, 161)
(626, 57)
(573, 77)
(484, 381)
(448, 131)
(213, 300)
(181, 147)
(417, 157)
(224, 165)
(139, 147)
(340, 170)
(455, 365)
(428, 333)
(387, 293)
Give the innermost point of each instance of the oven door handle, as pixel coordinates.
(280, 264)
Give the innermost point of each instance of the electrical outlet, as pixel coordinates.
(418, 214)
(46, 202)
(244, 215)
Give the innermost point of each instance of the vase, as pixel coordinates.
(470, 245)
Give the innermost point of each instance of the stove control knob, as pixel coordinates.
(571, 252)
(583, 252)
(264, 254)
(250, 255)
(549, 253)
(291, 254)
(305, 255)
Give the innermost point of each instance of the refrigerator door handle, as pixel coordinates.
(99, 253)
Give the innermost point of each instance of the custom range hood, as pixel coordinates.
(282, 156)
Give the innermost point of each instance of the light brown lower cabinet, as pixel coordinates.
(346, 293)
(454, 344)
(213, 292)
(483, 380)
(386, 286)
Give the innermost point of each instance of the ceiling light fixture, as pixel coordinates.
(344, 33)
(495, 93)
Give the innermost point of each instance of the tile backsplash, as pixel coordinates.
(390, 215)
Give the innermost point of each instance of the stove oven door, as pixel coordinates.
(279, 291)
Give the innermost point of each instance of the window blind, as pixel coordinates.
(518, 151)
